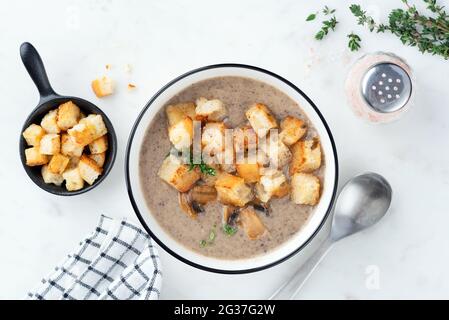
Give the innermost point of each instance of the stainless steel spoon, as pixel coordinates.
(362, 202)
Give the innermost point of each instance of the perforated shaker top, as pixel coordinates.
(386, 87)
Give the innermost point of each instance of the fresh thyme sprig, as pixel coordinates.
(354, 41)
(429, 33)
(327, 25)
(204, 168)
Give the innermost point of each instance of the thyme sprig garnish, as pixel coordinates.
(326, 25)
(229, 230)
(429, 33)
(354, 41)
(210, 239)
(204, 168)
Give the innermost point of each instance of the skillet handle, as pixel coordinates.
(35, 67)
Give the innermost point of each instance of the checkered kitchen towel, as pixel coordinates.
(117, 261)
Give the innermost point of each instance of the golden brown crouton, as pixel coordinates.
(177, 174)
(96, 124)
(89, 170)
(34, 157)
(82, 134)
(50, 177)
(272, 183)
(306, 156)
(69, 147)
(292, 129)
(73, 162)
(305, 189)
(212, 110)
(248, 171)
(99, 145)
(103, 87)
(233, 190)
(213, 137)
(252, 224)
(181, 134)
(178, 112)
(99, 158)
(73, 179)
(58, 163)
(68, 115)
(50, 122)
(88, 129)
(33, 134)
(50, 144)
(244, 138)
(260, 118)
(278, 153)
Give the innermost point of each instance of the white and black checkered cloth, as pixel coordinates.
(117, 261)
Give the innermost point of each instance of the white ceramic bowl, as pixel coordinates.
(279, 254)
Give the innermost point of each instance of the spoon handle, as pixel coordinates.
(290, 288)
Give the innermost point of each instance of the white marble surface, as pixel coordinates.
(407, 251)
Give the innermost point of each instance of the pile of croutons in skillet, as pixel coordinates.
(243, 188)
(60, 143)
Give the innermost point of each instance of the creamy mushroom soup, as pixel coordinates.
(200, 208)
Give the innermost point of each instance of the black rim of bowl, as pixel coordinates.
(139, 215)
(111, 153)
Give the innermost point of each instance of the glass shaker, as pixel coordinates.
(380, 87)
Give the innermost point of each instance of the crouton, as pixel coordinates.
(96, 123)
(69, 147)
(50, 177)
(305, 189)
(306, 156)
(58, 163)
(226, 159)
(50, 122)
(244, 138)
(88, 169)
(272, 183)
(251, 223)
(277, 152)
(50, 144)
(103, 87)
(248, 171)
(181, 134)
(73, 179)
(88, 129)
(213, 137)
(233, 190)
(177, 174)
(34, 157)
(282, 191)
(68, 115)
(33, 134)
(99, 145)
(73, 162)
(260, 118)
(99, 158)
(292, 129)
(178, 112)
(212, 110)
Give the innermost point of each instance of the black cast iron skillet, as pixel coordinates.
(50, 100)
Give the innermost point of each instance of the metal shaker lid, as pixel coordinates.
(386, 87)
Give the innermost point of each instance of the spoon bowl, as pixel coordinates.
(362, 202)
